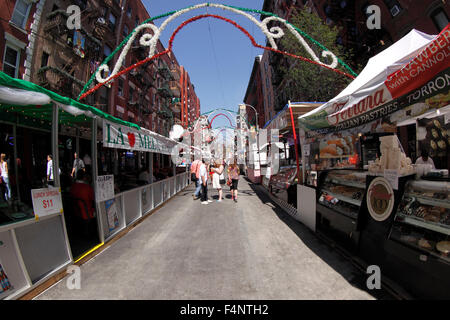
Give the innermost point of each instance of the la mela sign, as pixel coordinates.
(122, 137)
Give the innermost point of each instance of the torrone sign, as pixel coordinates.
(122, 137)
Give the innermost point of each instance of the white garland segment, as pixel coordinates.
(151, 40)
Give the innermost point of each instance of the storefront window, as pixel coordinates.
(23, 173)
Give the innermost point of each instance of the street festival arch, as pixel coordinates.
(151, 41)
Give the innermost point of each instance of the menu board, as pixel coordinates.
(46, 201)
(105, 188)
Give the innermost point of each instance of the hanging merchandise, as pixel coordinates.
(5, 285)
(79, 41)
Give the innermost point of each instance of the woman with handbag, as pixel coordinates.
(218, 178)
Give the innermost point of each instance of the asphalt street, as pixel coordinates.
(245, 250)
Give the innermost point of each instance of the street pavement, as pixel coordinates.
(224, 250)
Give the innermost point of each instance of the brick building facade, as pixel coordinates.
(398, 17)
(40, 47)
(18, 19)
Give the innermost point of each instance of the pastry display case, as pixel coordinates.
(343, 191)
(340, 199)
(422, 220)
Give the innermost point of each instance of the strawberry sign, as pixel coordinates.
(122, 137)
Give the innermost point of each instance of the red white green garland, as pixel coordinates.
(151, 41)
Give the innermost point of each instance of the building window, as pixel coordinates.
(125, 31)
(20, 14)
(120, 88)
(11, 60)
(137, 22)
(107, 50)
(131, 94)
(393, 6)
(439, 18)
(129, 12)
(44, 59)
(112, 22)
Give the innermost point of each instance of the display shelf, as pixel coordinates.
(418, 222)
(348, 183)
(343, 198)
(349, 214)
(430, 201)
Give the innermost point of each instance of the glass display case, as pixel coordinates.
(342, 191)
(422, 220)
(339, 205)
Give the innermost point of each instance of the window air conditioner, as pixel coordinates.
(395, 10)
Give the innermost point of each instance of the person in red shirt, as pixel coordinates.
(83, 195)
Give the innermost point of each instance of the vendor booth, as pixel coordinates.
(282, 142)
(56, 208)
(372, 192)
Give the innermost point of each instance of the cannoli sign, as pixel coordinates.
(380, 199)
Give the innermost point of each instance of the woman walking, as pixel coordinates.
(218, 178)
(233, 178)
(5, 176)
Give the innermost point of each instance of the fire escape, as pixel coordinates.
(76, 46)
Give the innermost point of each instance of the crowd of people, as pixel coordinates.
(219, 173)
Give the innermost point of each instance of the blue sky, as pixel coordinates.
(218, 57)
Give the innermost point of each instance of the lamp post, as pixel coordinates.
(257, 134)
(256, 113)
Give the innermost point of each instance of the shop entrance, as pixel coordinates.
(77, 188)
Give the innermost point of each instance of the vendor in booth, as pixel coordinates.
(425, 159)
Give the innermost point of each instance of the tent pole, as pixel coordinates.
(16, 166)
(55, 150)
(295, 142)
(94, 166)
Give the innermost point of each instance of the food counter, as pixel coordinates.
(340, 196)
(420, 235)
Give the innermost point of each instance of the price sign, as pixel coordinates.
(392, 177)
(46, 201)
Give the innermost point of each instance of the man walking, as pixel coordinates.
(78, 165)
(204, 181)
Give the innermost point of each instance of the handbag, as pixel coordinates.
(228, 183)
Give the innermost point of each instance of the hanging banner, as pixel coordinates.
(425, 76)
(434, 94)
(122, 137)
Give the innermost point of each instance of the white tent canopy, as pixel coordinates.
(381, 66)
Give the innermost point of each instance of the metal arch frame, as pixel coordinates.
(151, 41)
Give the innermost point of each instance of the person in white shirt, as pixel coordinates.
(204, 182)
(50, 169)
(425, 159)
